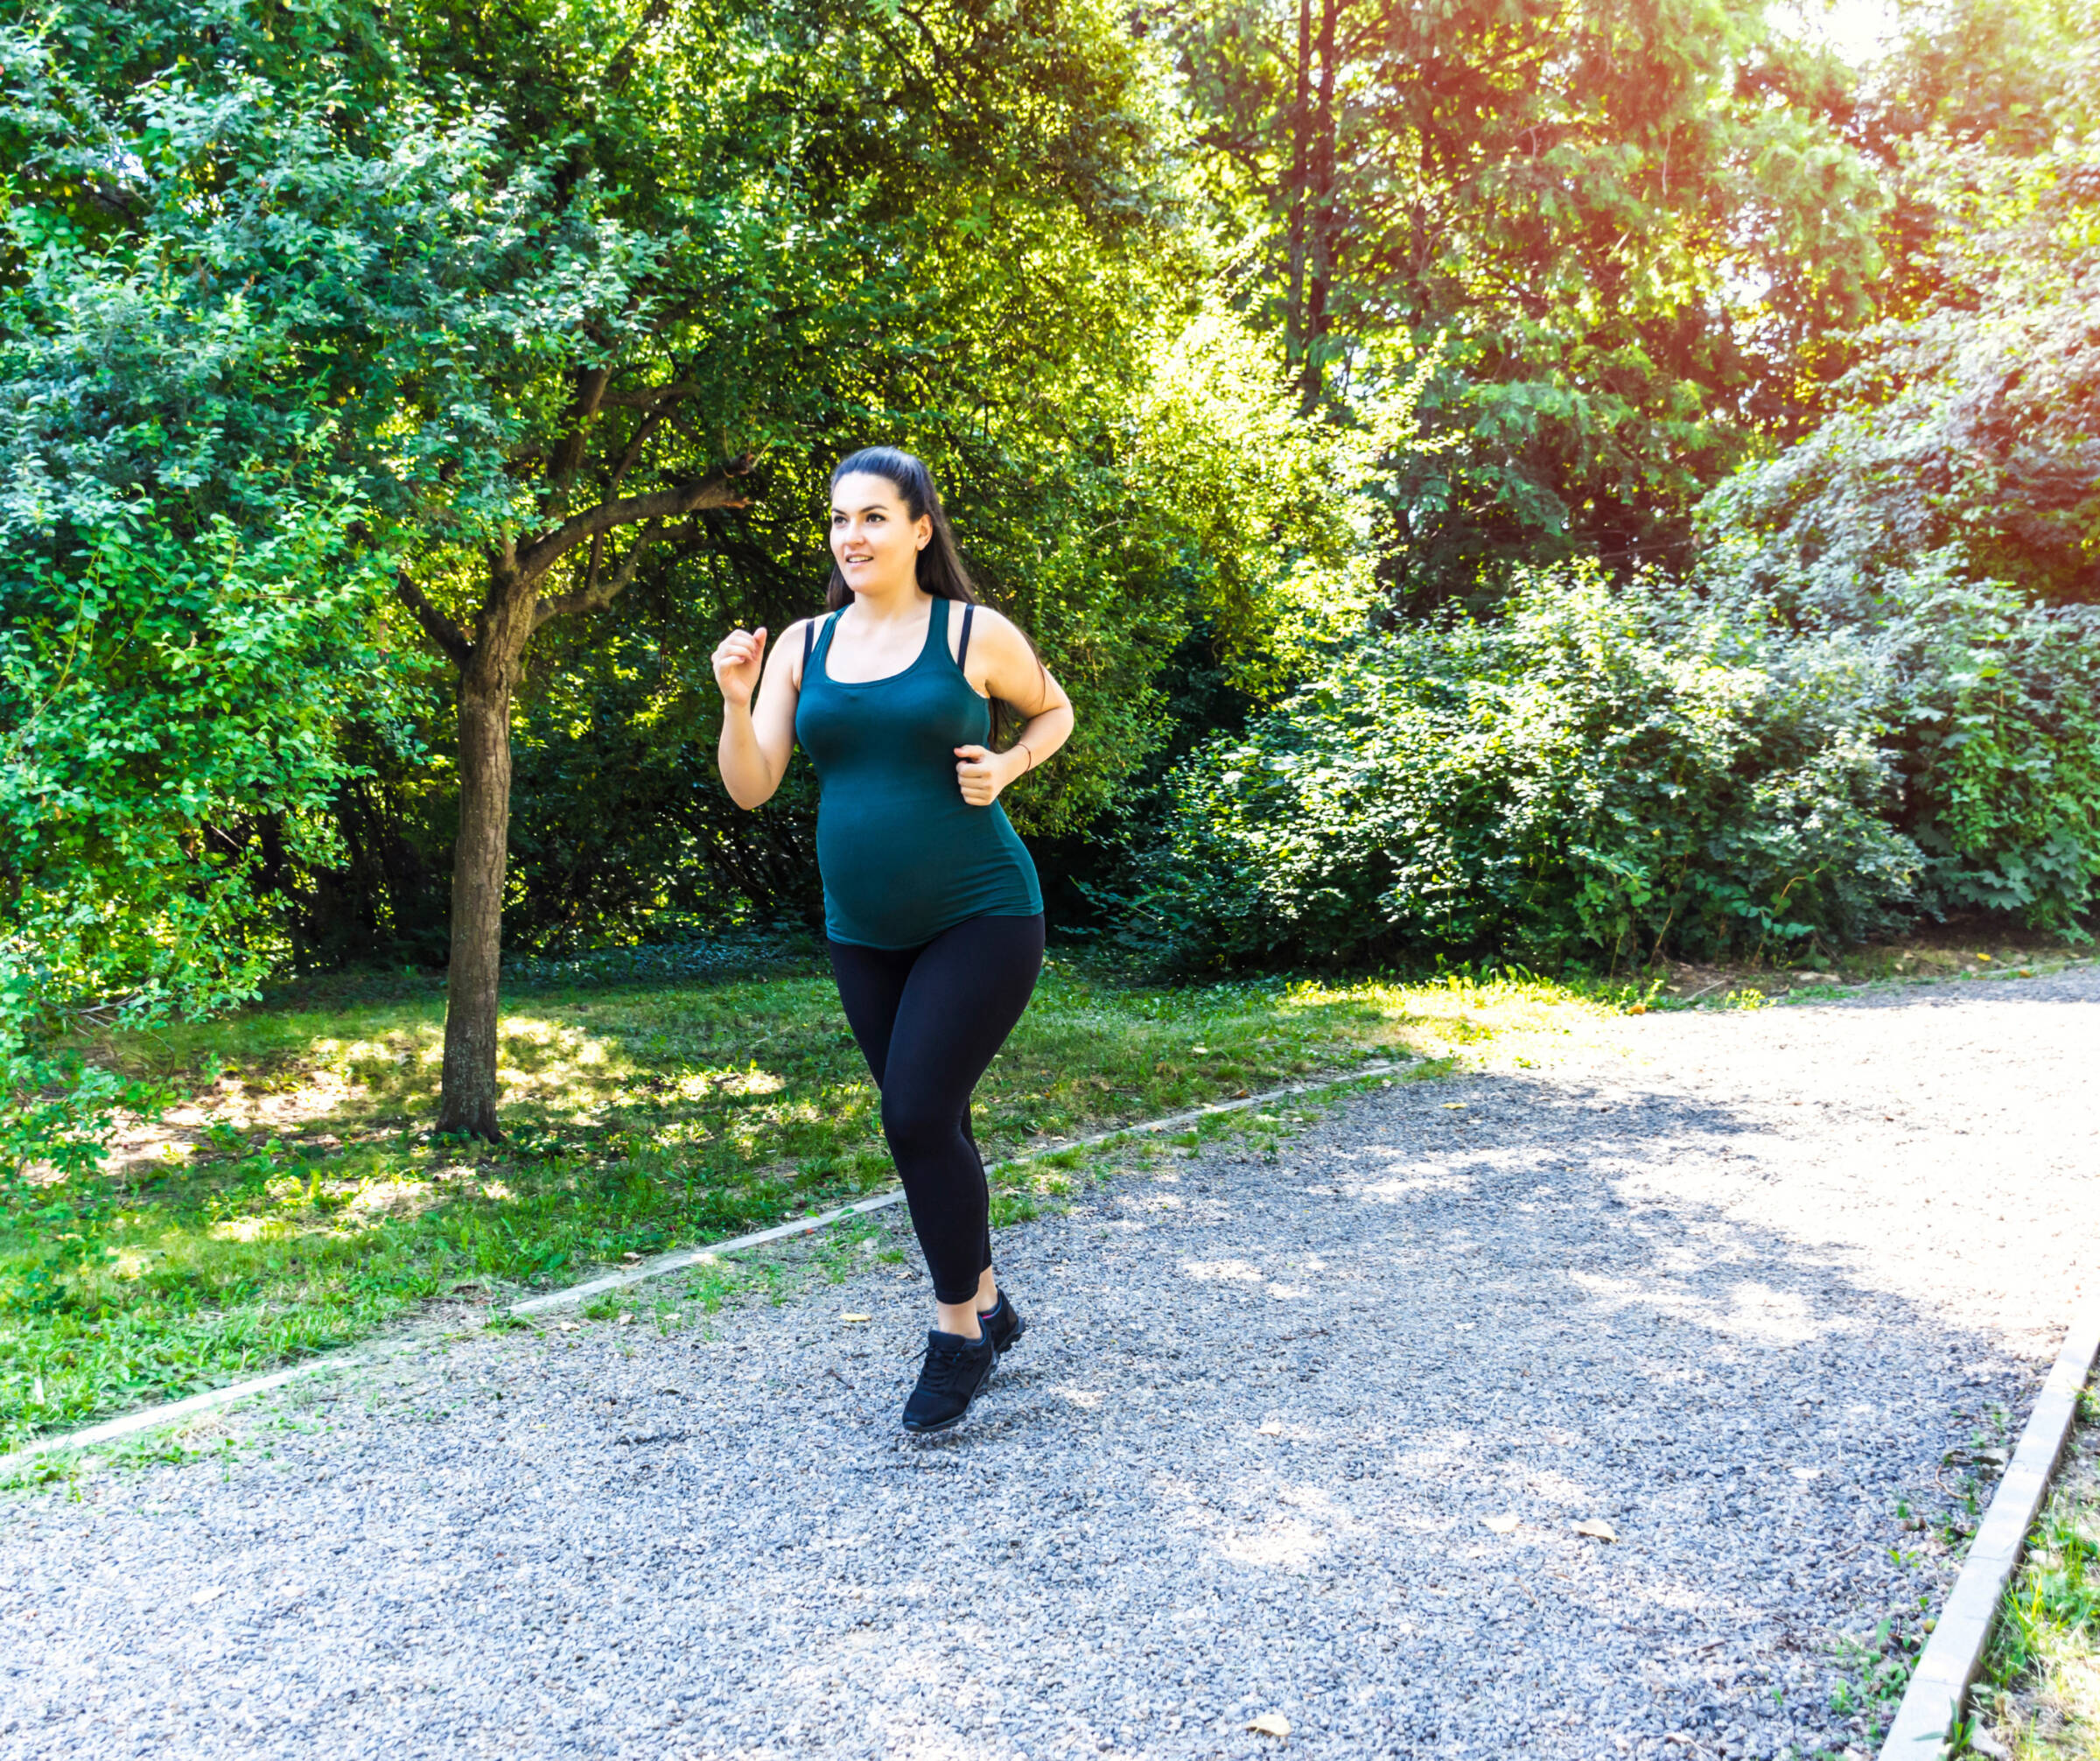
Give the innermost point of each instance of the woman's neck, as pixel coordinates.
(902, 602)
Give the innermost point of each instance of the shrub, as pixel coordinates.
(1999, 703)
(1596, 774)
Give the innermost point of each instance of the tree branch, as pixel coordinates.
(569, 450)
(449, 637)
(643, 430)
(590, 597)
(717, 489)
(620, 68)
(647, 397)
(591, 567)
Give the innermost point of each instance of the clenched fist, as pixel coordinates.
(738, 662)
(984, 773)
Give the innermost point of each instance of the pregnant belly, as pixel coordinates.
(897, 872)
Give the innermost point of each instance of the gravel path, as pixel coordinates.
(1727, 1289)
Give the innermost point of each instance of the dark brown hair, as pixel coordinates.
(941, 570)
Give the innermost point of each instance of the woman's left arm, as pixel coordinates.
(1009, 671)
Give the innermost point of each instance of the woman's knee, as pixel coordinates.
(921, 1123)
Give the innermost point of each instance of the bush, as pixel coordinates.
(1597, 774)
(1998, 702)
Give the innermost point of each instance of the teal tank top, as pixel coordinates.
(902, 855)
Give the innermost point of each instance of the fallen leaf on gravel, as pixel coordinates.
(1598, 1528)
(1270, 1724)
(1242, 1094)
(856, 1317)
(209, 1593)
(1502, 1524)
(1273, 1429)
(626, 1318)
(566, 1326)
(1454, 1106)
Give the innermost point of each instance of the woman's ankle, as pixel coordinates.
(959, 1318)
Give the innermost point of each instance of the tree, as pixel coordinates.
(181, 600)
(1618, 228)
(664, 250)
(780, 242)
(1947, 511)
(266, 329)
(1963, 428)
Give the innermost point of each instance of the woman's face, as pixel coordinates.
(874, 539)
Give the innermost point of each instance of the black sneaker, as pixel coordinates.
(1003, 1323)
(951, 1375)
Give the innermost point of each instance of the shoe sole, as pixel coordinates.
(1012, 1339)
(912, 1430)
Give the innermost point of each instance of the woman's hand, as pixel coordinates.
(984, 773)
(738, 663)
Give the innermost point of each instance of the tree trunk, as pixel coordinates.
(1321, 243)
(1301, 123)
(480, 857)
(489, 662)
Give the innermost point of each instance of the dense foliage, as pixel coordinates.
(1869, 699)
(1599, 774)
(1620, 231)
(1593, 773)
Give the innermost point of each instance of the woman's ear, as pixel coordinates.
(926, 530)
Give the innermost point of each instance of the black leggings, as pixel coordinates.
(928, 1021)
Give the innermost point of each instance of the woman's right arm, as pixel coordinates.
(756, 742)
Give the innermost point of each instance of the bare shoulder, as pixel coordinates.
(788, 649)
(1002, 663)
(999, 631)
(991, 617)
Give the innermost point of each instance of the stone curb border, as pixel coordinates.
(360, 1357)
(1939, 1686)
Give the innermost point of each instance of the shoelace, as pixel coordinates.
(943, 1362)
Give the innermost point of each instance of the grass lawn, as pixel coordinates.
(296, 1200)
(2040, 1697)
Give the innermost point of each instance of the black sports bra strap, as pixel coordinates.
(963, 646)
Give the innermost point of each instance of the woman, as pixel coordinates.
(931, 913)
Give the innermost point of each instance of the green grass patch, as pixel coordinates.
(295, 1200)
(2041, 1693)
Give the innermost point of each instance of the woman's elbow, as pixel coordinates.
(747, 794)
